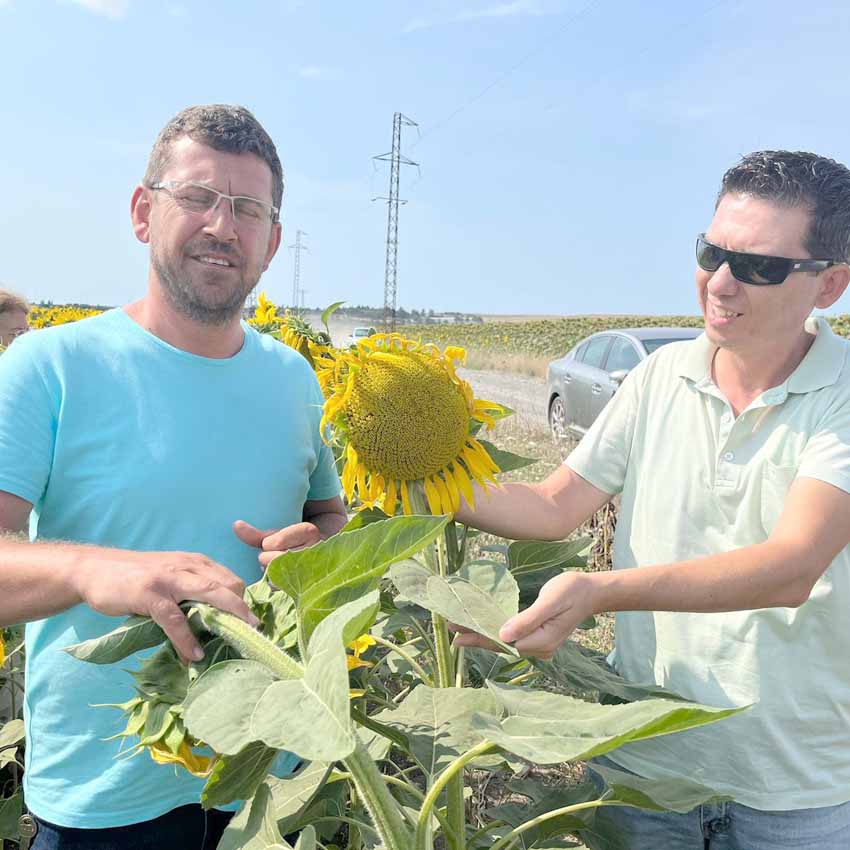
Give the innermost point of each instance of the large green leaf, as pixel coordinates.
(454, 598)
(323, 577)
(528, 556)
(496, 581)
(505, 460)
(219, 706)
(311, 716)
(239, 776)
(411, 579)
(133, 635)
(463, 603)
(581, 670)
(437, 723)
(549, 728)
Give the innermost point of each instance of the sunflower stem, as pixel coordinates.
(452, 772)
(368, 781)
(438, 556)
(382, 807)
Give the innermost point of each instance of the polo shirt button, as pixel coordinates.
(726, 417)
(729, 456)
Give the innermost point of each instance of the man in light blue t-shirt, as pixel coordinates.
(162, 439)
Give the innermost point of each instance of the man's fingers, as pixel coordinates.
(171, 619)
(248, 534)
(532, 618)
(296, 536)
(544, 641)
(467, 638)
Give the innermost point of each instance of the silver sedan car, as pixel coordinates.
(582, 382)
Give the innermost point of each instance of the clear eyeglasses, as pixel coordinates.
(198, 199)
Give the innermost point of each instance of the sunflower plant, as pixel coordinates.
(353, 670)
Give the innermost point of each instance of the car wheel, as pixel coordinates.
(558, 419)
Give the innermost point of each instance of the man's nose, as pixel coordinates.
(723, 282)
(221, 219)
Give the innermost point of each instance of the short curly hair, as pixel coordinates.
(795, 178)
(231, 129)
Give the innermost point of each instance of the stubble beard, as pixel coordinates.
(185, 296)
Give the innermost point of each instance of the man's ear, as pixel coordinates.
(833, 283)
(140, 213)
(274, 243)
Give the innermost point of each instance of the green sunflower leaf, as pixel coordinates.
(505, 460)
(238, 777)
(549, 728)
(437, 723)
(348, 565)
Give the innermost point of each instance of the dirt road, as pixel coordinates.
(525, 395)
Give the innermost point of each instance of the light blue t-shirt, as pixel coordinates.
(119, 439)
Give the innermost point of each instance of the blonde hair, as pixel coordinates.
(10, 302)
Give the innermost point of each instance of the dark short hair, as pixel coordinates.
(11, 302)
(795, 178)
(232, 129)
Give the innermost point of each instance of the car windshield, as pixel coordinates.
(652, 344)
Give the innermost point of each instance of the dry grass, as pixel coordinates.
(521, 364)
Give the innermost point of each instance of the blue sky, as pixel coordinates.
(570, 150)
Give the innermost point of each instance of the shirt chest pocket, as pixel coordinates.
(775, 483)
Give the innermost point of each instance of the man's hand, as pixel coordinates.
(152, 584)
(563, 603)
(276, 541)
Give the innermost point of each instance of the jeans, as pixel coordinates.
(728, 826)
(186, 828)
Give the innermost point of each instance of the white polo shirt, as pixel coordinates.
(697, 481)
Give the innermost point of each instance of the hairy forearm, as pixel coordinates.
(38, 579)
(766, 575)
(549, 510)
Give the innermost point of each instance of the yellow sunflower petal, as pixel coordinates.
(405, 499)
(433, 496)
(451, 486)
(391, 498)
(443, 492)
(463, 484)
(185, 756)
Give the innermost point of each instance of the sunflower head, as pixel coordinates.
(401, 414)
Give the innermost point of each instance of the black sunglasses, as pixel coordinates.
(757, 269)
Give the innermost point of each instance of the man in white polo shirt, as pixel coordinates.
(731, 562)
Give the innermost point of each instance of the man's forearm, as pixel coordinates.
(37, 579)
(765, 575)
(549, 510)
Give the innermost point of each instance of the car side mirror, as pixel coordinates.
(618, 376)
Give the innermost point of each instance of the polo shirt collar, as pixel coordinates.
(819, 368)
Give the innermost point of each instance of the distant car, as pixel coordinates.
(582, 382)
(359, 333)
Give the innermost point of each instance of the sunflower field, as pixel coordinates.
(59, 314)
(555, 337)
